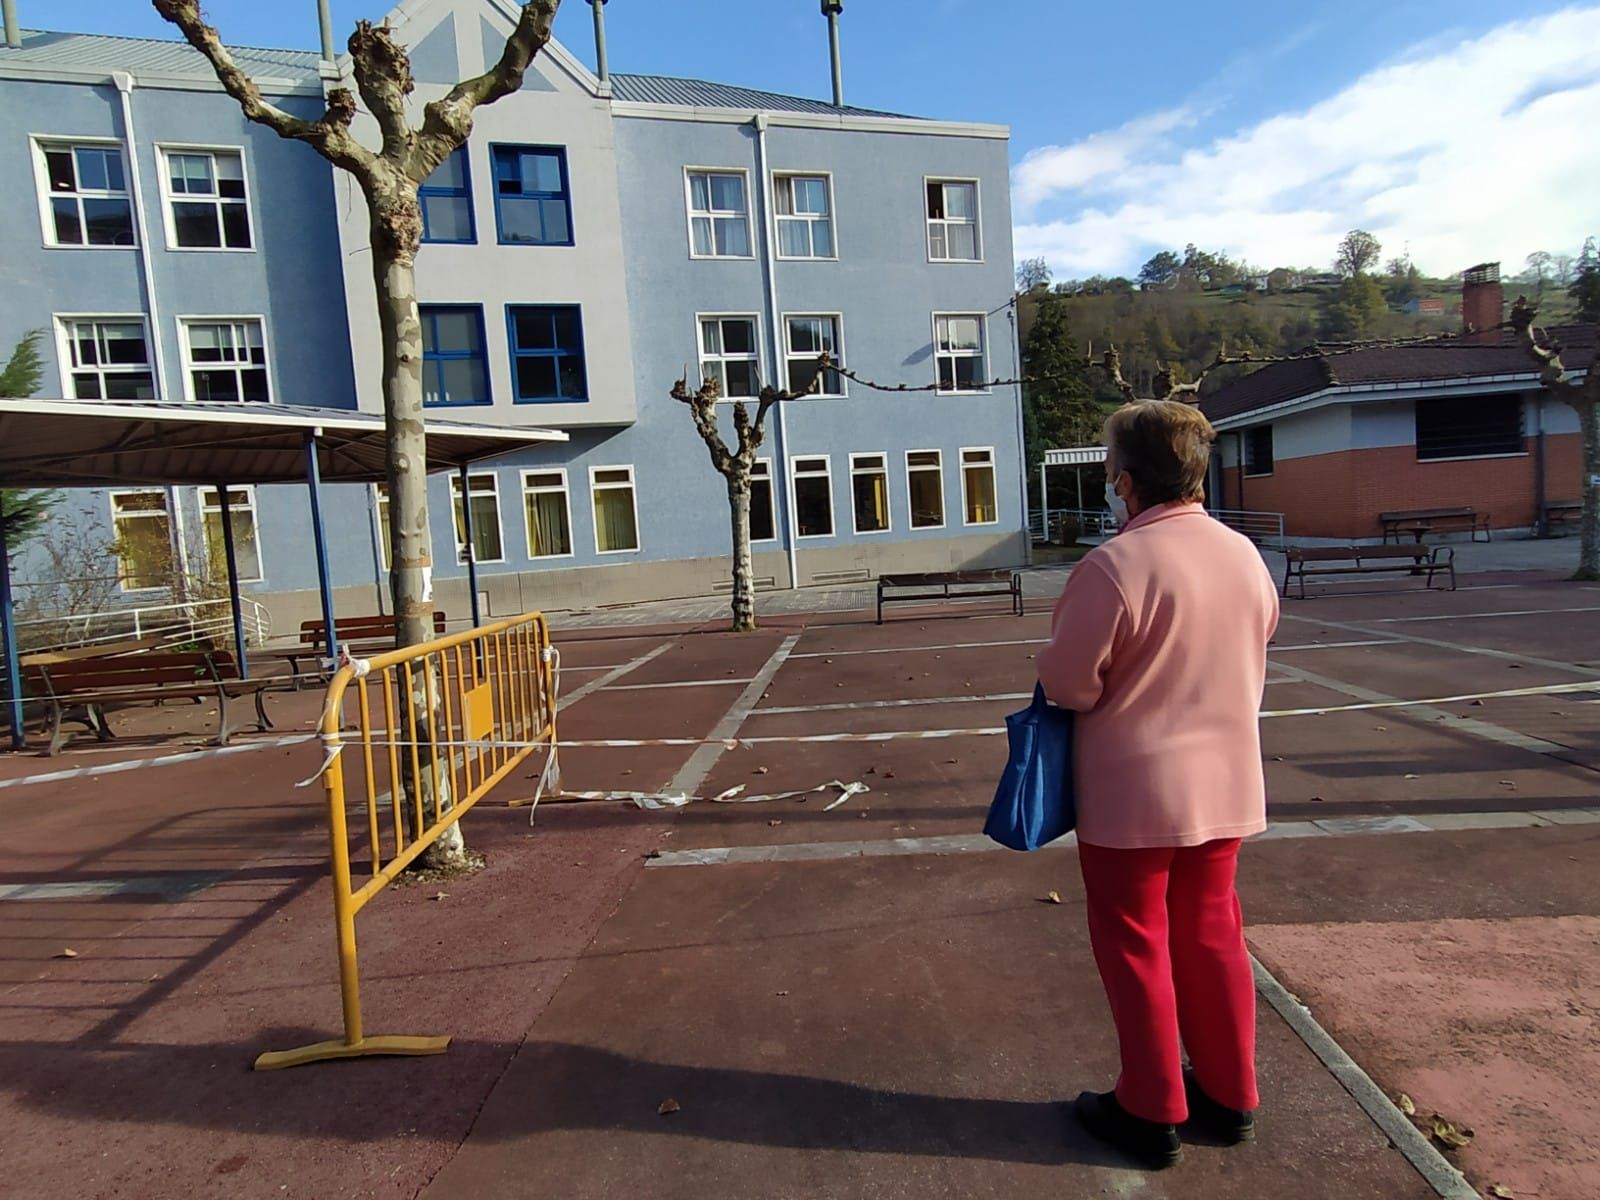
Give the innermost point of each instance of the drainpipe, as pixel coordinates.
(600, 69)
(831, 9)
(13, 33)
(326, 22)
(780, 455)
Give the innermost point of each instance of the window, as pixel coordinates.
(483, 494)
(246, 546)
(763, 525)
(547, 354)
(142, 528)
(1469, 427)
(728, 354)
(808, 338)
(719, 226)
(953, 220)
(925, 485)
(1258, 450)
(532, 203)
(805, 216)
(225, 360)
(813, 498)
(109, 359)
(869, 490)
(977, 487)
(206, 204)
(547, 513)
(446, 198)
(616, 513)
(959, 352)
(454, 367)
(380, 500)
(86, 195)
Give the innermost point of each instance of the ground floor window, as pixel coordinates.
(1258, 450)
(483, 493)
(616, 510)
(763, 525)
(977, 487)
(813, 498)
(869, 490)
(547, 512)
(246, 542)
(925, 483)
(1469, 427)
(142, 530)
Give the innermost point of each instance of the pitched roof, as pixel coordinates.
(150, 56)
(1335, 366)
(701, 93)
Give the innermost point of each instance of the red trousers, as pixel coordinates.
(1168, 938)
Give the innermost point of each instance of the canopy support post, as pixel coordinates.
(314, 482)
(472, 554)
(241, 662)
(8, 634)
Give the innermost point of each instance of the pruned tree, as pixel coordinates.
(1584, 397)
(1358, 250)
(389, 177)
(1033, 274)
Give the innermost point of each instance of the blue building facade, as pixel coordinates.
(592, 240)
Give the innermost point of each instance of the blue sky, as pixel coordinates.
(1462, 131)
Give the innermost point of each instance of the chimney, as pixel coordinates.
(326, 22)
(831, 9)
(13, 34)
(600, 69)
(1482, 301)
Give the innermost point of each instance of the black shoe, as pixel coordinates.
(1150, 1143)
(1228, 1124)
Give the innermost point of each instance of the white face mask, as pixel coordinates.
(1117, 505)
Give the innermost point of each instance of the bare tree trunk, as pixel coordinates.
(744, 583)
(1589, 550)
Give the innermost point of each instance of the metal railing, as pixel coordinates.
(1094, 522)
(175, 623)
(1262, 528)
(458, 715)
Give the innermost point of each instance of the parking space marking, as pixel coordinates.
(1458, 647)
(611, 676)
(1388, 641)
(1485, 616)
(680, 683)
(849, 705)
(701, 763)
(920, 649)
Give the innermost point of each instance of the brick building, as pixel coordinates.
(1336, 438)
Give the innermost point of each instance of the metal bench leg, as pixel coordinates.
(264, 722)
(56, 728)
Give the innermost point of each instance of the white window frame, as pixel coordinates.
(832, 218)
(164, 181)
(248, 504)
(794, 496)
(994, 475)
(888, 504)
(499, 514)
(701, 357)
(911, 506)
(772, 489)
(188, 365)
(689, 213)
(977, 220)
(64, 348)
(41, 179)
(838, 337)
(566, 498)
(380, 505)
(166, 510)
(983, 355)
(633, 489)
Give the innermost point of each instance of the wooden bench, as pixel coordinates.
(1368, 560)
(96, 650)
(1563, 512)
(359, 636)
(84, 689)
(915, 589)
(1426, 520)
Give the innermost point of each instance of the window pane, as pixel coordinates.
(548, 532)
(935, 201)
(783, 195)
(805, 335)
(969, 374)
(216, 385)
(962, 333)
(143, 544)
(69, 229)
(86, 386)
(574, 385)
(568, 336)
(451, 331)
(463, 382)
(235, 226)
(811, 196)
(794, 239)
(124, 342)
(58, 165)
(614, 475)
(556, 228)
(927, 499)
(110, 222)
(960, 201)
(92, 173)
(711, 336)
(701, 227)
(196, 224)
(536, 378)
(520, 220)
(253, 384)
(739, 379)
(727, 193)
(486, 528)
(813, 506)
(613, 519)
(700, 193)
(963, 241)
(191, 175)
(732, 237)
(923, 458)
(762, 527)
(938, 247)
(739, 337)
(980, 495)
(541, 172)
(452, 172)
(872, 502)
(130, 385)
(822, 239)
(548, 479)
(209, 343)
(534, 330)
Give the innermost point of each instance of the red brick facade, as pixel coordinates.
(1340, 495)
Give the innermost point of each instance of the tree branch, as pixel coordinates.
(1552, 373)
(383, 77)
(447, 122)
(329, 135)
(703, 407)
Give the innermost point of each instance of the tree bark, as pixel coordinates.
(744, 583)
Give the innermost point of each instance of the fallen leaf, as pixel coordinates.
(440, 895)
(1447, 1135)
(872, 770)
(1507, 783)
(1477, 704)
(862, 815)
(1502, 1191)
(1381, 728)
(950, 762)
(69, 952)
(1277, 758)
(761, 771)
(1413, 777)
(775, 821)
(1316, 799)
(888, 774)
(780, 993)
(1407, 1105)
(667, 1106)
(1052, 897)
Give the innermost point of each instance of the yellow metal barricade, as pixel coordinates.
(435, 728)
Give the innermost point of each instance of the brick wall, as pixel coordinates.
(1340, 495)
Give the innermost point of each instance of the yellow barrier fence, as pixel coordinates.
(456, 716)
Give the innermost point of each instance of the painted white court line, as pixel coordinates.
(849, 705)
(681, 683)
(611, 676)
(1441, 644)
(1486, 616)
(1388, 641)
(919, 649)
(174, 886)
(701, 763)
(163, 760)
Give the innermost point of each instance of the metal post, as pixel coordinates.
(8, 633)
(1044, 504)
(314, 481)
(600, 70)
(1077, 473)
(472, 554)
(831, 9)
(326, 22)
(13, 32)
(233, 581)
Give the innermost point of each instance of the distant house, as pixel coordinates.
(1334, 439)
(1420, 306)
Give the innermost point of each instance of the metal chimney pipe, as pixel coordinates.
(13, 33)
(599, 7)
(831, 9)
(326, 21)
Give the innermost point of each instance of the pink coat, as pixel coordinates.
(1160, 643)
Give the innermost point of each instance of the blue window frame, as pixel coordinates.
(446, 199)
(532, 199)
(454, 369)
(547, 365)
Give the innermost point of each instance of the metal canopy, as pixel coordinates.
(1075, 456)
(114, 443)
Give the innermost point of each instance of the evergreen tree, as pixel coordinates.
(1585, 287)
(1059, 410)
(24, 512)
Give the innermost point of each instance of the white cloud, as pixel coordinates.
(1475, 150)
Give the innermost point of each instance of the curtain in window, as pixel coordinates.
(547, 525)
(615, 528)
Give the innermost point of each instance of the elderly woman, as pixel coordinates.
(1159, 642)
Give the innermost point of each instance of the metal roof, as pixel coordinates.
(1075, 456)
(701, 93)
(150, 56)
(109, 443)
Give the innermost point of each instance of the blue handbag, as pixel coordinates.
(1035, 802)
